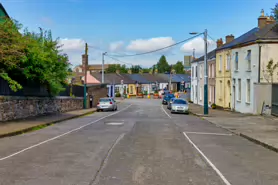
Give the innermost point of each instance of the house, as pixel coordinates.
(197, 79)
(3, 13)
(223, 74)
(251, 53)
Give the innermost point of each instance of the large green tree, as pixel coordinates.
(112, 68)
(162, 65)
(135, 69)
(275, 12)
(179, 68)
(31, 57)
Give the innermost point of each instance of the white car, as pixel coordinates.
(106, 104)
(180, 106)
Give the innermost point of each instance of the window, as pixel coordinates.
(248, 91)
(209, 75)
(220, 62)
(212, 70)
(196, 72)
(221, 89)
(196, 92)
(210, 93)
(236, 61)
(228, 59)
(192, 72)
(248, 58)
(239, 90)
(117, 89)
(201, 71)
(200, 93)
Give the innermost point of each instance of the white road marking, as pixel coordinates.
(105, 161)
(56, 137)
(208, 161)
(165, 111)
(208, 133)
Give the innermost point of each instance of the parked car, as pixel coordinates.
(180, 106)
(167, 98)
(170, 103)
(106, 104)
(165, 91)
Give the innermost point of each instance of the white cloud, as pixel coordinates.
(116, 46)
(72, 44)
(144, 45)
(198, 45)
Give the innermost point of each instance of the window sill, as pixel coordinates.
(238, 101)
(227, 70)
(236, 70)
(248, 103)
(248, 70)
(219, 71)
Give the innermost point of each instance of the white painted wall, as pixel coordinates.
(162, 85)
(194, 83)
(242, 73)
(268, 52)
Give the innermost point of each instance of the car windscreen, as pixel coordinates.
(171, 95)
(104, 100)
(179, 102)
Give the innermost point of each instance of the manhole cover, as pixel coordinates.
(114, 123)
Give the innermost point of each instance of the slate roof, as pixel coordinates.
(211, 55)
(269, 32)
(154, 78)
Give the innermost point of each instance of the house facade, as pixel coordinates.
(251, 55)
(194, 96)
(223, 74)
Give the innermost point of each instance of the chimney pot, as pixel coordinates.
(229, 38)
(219, 42)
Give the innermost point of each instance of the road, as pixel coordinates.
(140, 144)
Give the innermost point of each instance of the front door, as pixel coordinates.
(234, 97)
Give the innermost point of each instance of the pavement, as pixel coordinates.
(260, 129)
(140, 144)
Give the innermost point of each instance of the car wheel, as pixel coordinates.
(97, 110)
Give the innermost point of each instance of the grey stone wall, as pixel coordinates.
(12, 108)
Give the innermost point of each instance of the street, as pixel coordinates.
(141, 143)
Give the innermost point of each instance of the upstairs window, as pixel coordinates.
(236, 61)
(248, 58)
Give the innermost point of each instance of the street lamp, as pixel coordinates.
(102, 71)
(205, 71)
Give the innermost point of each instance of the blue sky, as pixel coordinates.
(134, 26)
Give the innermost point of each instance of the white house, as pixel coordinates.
(194, 82)
(251, 53)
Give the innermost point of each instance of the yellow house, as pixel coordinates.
(223, 74)
(132, 89)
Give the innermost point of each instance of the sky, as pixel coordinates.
(121, 27)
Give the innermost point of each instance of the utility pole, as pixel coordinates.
(206, 74)
(102, 71)
(170, 80)
(85, 63)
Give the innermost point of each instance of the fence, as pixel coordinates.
(274, 109)
(38, 91)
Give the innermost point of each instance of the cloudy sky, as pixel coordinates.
(133, 26)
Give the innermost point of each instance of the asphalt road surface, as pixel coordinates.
(140, 144)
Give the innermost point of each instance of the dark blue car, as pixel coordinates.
(167, 98)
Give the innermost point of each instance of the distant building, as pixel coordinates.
(187, 62)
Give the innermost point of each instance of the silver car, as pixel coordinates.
(170, 103)
(106, 104)
(180, 106)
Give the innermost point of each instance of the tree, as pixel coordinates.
(31, 57)
(135, 69)
(112, 68)
(146, 70)
(162, 65)
(275, 12)
(179, 68)
(270, 69)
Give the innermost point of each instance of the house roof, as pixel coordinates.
(210, 55)
(154, 78)
(3, 12)
(269, 32)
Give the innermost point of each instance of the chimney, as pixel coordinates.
(219, 42)
(229, 38)
(262, 20)
(270, 20)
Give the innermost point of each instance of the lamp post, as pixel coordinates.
(102, 70)
(205, 71)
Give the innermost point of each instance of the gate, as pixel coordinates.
(274, 108)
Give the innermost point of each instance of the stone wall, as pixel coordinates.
(12, 108)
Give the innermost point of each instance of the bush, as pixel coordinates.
(145, 92)
(118, 94)
(213, 106)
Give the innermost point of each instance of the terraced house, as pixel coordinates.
(223, 74)
(251, 53)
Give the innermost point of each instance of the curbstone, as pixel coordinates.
(30, 129)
